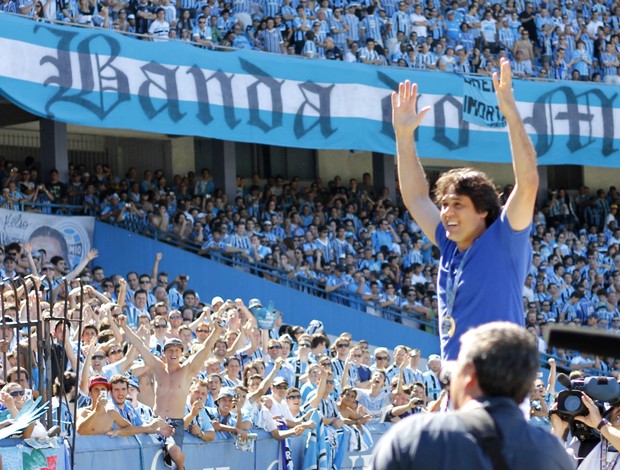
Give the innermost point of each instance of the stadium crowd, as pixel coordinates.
(352, 245)
(286, 379)
(564, 40)
(242, 374)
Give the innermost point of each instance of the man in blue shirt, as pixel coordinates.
(196, 420)
(485, 249)
(384, 235)
(119, 387)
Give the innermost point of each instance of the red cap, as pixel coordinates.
(98, 380)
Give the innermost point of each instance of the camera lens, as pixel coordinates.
(572, 403)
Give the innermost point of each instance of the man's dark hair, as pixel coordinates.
(474, 184)
(231, 358)
(216, 376)
(319, 338)
(69, 381)
(505, 357)
(119, 378)
(90, 327)
(13, 247)
(49, 232)
(17, 371)
(56, 259)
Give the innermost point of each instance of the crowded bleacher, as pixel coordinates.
(549, 40)
(341, 240)
(351, 245)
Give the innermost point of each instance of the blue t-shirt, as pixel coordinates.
(490, 287)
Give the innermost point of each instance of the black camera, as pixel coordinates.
(600, 389)
(570, 404)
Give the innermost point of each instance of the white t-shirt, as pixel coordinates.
(281, 410)
(421, 31)
(374, 405)
(159, 30)
(488, 30)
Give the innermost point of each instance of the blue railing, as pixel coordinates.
(144, 452)
(48, 208)
(265, 270)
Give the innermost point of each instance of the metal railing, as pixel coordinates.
(261, 269)
(47, 208)
(28, 294)
(275, 274)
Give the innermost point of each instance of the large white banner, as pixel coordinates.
(69, 237)
(99, 78)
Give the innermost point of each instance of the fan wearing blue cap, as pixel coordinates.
(226, 424)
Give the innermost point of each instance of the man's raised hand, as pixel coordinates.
(502, 83)
(121, 321)
(405, 116)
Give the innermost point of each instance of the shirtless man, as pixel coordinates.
(96, 419)
(524, 44)
(172, 381)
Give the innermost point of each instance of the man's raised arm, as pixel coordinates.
(147, 356)
(155, 270)
(91, 255)
(413, 184)
(520, 205)
(254, 396)
(195, 362)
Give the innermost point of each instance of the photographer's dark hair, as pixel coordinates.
(505, 357)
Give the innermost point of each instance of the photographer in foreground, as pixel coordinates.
(496, 366)
(605, 454)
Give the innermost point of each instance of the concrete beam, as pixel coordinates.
(384, 174)
(54, 149)
(225, 167)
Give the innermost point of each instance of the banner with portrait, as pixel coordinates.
(69, 237)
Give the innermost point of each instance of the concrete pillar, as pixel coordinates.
(116, 155)
(54, 149)
(183, 155)
(384, 173)
(543, 186)
(225, 167)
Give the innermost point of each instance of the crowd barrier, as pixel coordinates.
(16, 454)
(143, 452)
